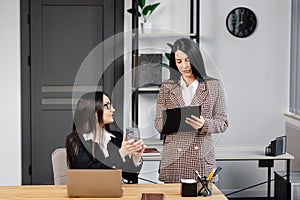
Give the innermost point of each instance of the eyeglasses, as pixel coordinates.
(108, 106)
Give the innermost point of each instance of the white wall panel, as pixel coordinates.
(10, 117)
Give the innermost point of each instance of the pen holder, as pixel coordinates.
(206, 187)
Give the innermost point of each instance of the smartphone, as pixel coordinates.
(132, 133)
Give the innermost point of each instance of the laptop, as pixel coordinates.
(94, 183)
(174, 119)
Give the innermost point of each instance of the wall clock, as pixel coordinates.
(241, 22)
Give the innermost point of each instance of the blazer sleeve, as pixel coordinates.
(160, 106)
(113, 149)
(217, 122)
(130, 172)
(85, 159)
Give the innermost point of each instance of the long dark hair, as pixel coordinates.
(191, 49)
(84, 121)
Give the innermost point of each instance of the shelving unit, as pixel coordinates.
(160, 35)
(194, 34)
(149, 89)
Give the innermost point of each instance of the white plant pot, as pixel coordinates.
(146, 27)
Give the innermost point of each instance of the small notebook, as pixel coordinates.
(151, 152)
(152, 196)
(174, 119)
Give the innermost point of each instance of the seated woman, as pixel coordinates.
(92, 145)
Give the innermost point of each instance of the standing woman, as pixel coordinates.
(185, 152)
(92, 145)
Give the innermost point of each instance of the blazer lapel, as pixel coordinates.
(89, 146)
(177, 96)
(200, 95)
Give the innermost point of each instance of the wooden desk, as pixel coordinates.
(130, 192)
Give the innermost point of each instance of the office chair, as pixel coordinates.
(59, 166)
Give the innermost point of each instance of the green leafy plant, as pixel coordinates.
(144, 10)
(168, 55)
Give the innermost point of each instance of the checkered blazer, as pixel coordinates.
(185, 152)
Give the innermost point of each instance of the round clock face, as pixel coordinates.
(241, 22)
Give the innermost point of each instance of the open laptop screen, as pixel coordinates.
(94, 183)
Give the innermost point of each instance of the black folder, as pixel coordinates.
(174, 119)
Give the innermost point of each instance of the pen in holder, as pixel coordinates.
(206, 187)
(206, 184)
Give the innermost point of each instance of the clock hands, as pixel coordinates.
(238, 24)
(235, 23)
(242, 18)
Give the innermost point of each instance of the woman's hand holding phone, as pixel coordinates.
(137, 155)
(132, 144)
(132, 133)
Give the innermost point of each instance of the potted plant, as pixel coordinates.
(144, 11)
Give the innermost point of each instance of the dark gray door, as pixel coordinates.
(62, 34)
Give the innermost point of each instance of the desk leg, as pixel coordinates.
(269, 182)
(288, 189)
(269, 164)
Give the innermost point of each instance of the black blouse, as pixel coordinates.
(85, 159)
